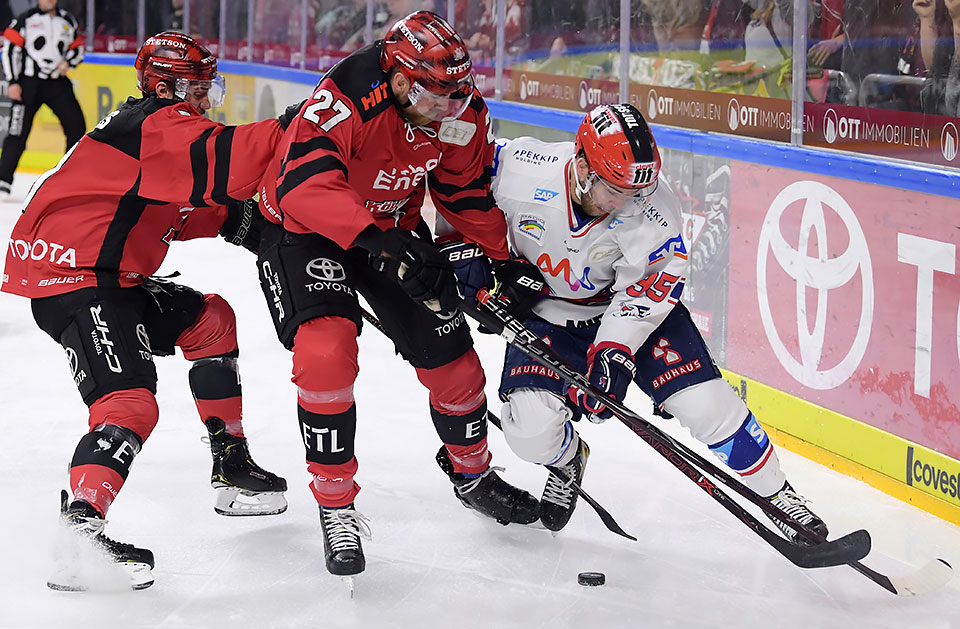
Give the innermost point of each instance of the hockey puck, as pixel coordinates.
(591, 579)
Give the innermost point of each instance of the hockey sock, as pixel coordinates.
(750, 454)
(328, 439)
(215, 384)
(101, 464)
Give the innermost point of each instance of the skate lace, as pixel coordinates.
(344, 527)
(93, 529)
(560, 492)
(471, 484)
(794, 505)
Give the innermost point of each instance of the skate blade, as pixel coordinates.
(348, 581)
(139, 575)
(234, 502)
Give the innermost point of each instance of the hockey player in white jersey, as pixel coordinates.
(589, 220)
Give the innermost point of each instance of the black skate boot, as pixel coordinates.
(559, 497)
(795, 506)
(491, 495)
(342, 529)
(243, 487)
(85, 523)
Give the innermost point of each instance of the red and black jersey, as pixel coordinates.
(152, 172)
(350, 159)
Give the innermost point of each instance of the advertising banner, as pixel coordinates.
(846, 294)
(884, 132)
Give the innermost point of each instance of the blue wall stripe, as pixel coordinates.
(873, 170)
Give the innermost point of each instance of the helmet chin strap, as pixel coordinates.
(583, 188)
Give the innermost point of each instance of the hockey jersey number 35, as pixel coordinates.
(626, 272)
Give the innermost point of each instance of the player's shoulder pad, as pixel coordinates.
(359, 77)
(122, 128)
(531, 171)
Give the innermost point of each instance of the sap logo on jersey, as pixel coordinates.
(542, 194)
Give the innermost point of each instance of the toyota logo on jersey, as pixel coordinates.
(326, 270)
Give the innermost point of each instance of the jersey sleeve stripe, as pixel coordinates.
(199, 164)
(450, 189)
(302, 149)
(481, 204)
(129, 210)
(222, 148)
(14, 37)
(303, 172)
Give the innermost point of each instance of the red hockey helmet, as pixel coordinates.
(181, 61)
(433, 57)
(620, 150)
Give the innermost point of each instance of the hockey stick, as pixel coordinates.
(605, 516)
(848, 549)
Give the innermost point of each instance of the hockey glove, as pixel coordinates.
(420, 270)
(243, 225)
(610, 369)
(289, 114)
(519, 286)
(471, 267)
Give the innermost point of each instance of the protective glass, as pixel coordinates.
(215, 90)
(438, 107)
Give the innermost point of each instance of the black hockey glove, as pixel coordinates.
(519, 286)
(420, 270)
(610, 369)
(471, 266)
(243, 225)
(289, 114)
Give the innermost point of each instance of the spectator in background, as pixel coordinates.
(175, 20)
(876, 31)
(951, 100)
(768, 38)
(725, 26)
(677, 24)
(929, 50)
(826, 34)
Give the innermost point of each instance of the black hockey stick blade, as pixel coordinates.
(843, 550)
(605, 516)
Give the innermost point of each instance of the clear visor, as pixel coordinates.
(214, 90)
(438, 107)
(614, 199)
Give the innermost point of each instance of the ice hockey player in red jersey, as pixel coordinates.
(94, 229)
(345, 192)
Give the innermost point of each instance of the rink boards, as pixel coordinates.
(825, 284)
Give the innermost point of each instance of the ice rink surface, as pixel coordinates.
(431, 562)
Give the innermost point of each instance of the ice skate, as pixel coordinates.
(85, 527)
(559, 496)
(795, 506)
(243, 487)
(342, 529)
(490, 495)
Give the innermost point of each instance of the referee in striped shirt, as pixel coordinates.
(39, 47)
